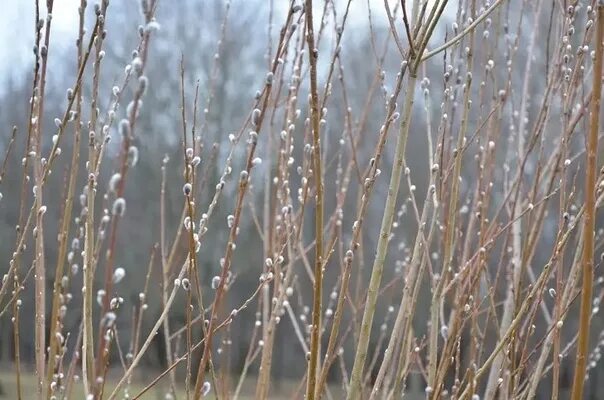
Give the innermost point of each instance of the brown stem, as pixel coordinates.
(318, 283)
(589, 221)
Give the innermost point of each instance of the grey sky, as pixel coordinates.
(17, 31)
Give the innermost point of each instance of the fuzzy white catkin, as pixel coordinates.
(205, 389)
(124, 127)
(115, 178)
(215, 282)
(118, 275)
(119, 207)
(256, 117)
(132, 156)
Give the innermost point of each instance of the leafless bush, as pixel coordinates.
(474, 272)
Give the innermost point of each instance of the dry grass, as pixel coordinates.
(28, 391)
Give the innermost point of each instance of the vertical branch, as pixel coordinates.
(87, 289)
(590, 211)
(65, 223)
(382, 246)
(17, 344)
(89, 259)
(318, 282)
(40, 268)
(165, 272)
